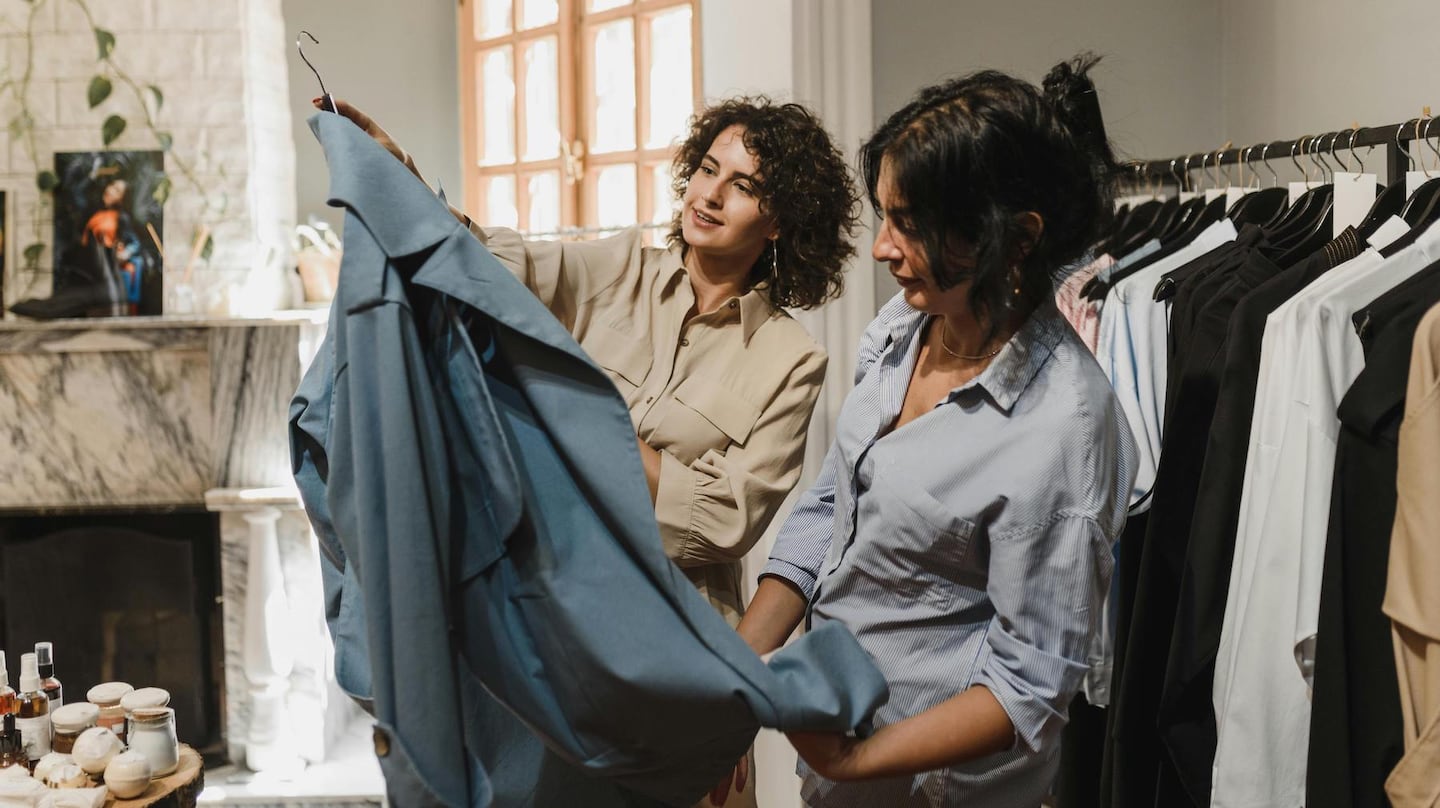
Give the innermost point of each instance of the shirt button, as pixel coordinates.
(649, 399)
(734, 304)
(684, 342)
(382, 743)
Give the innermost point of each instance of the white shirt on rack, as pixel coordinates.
(1309, 358)
(1133, 345)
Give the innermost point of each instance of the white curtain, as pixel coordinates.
(832, 67)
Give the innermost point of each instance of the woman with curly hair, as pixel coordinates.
(719, 379)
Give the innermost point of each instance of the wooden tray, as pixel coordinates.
(179, 789)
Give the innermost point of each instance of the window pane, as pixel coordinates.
(544, 202)
(615, 196)
(614, 72)
(497, 82)
(535, 13)
(602, 5)
(500, 208)
(671, 90)
(663, 194)
(542, 100)
(492, 18)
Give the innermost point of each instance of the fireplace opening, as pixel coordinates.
(124, 596)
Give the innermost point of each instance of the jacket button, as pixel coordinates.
(734, 304)
(382, 743)
(684, 342)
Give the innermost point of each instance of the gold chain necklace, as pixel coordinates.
(946, 346)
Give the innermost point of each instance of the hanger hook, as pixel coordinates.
(1189, 185)
(326, 100)
(1265, 158)
(1245, 163)
(1428, 122)
(1420, 160)
(1220, 163)
(1358, 161)
(1399, 130)
(1317, 156)
(1179, 184)
(1300, 145)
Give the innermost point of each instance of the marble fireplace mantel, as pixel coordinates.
(191, 413)
(146, 412)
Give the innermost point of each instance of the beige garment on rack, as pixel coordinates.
(1412, 591)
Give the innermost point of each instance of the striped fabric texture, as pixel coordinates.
(971, 546)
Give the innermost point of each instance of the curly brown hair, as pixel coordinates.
(804, 183)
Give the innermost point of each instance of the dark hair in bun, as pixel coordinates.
(969, 155)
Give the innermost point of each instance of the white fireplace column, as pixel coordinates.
(277, 660)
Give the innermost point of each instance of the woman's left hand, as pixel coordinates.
(833, 755)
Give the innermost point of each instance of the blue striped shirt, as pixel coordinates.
(971, 546)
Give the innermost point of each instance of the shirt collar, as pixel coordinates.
(1017, 364)
(755, 308)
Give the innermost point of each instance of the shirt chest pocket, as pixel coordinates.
(936, 554)
(702, 416)
(626, 359)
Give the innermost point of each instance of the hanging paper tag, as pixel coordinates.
(1186, 196)
(1354, 195)
(1415, 179)
(1233, 194)
(1212, 194)
(1298, 189)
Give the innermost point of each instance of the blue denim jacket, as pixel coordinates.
(485, 521)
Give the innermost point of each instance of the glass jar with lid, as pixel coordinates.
(107, 697)
(152, 733)
(69, 721)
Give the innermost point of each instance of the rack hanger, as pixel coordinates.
(1390, 136)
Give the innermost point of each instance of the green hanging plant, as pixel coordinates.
(101, 89)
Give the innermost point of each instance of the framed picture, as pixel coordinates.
(108, 229)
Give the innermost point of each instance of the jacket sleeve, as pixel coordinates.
(565, 275)
(310, 421)
(716, 508)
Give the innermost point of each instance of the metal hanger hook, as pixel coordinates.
(1245, 163)
(1265, 158)
(1300, 145)
(326, 100)
(1399, 130)
(1427, 143)
(1318, 157)
(1353, 133)
(1220, 164)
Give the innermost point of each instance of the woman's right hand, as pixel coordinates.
(379, 135)
(373, 129)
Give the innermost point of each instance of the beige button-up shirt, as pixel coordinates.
(725, 397)
(1412, 591)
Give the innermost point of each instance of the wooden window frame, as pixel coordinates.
(573, 31)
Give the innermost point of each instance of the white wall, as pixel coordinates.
(1159, 82)
(395, 61)
(1297, 67)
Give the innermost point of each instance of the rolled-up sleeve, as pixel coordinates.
(804, 539)
(1047, 583)
(716, 508)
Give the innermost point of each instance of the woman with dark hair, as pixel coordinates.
(719, 379)
(962, 525)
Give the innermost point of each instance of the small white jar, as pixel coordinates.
(152, 733)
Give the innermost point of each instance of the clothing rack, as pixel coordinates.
(1170, 170)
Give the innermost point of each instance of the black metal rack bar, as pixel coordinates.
(1389, 136)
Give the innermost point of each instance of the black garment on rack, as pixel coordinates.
(1356, 726)
(1211, 287)
(1187, 712)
